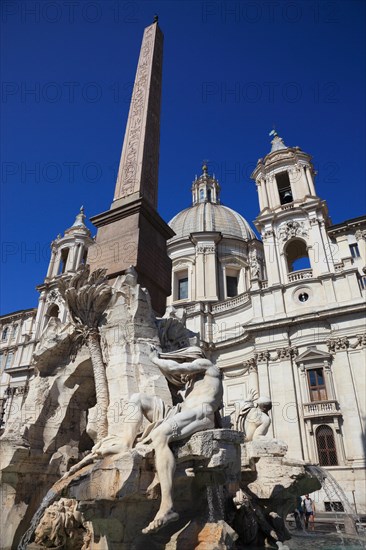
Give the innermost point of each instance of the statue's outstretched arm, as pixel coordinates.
(169, 366)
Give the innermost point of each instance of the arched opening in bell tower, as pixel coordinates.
(297, 255)
(63, 261)
(284, 187)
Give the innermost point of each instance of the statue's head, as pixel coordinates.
(264, 403)
(45, 528)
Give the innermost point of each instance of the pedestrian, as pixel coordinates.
(299, 514)
(309, 511)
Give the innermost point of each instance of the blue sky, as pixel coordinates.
(231, 71)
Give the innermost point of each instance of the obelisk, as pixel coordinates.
(131, 232)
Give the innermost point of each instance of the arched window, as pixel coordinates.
(52, 312)
(202, 195)
(325, 443)
(5, 333)
(297, 255)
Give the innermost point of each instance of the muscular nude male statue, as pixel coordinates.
(202, 398)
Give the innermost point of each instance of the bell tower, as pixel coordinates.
(292, 219)
(68, 252)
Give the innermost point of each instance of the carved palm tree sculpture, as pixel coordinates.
(87, 297)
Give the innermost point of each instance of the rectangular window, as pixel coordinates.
(14, 332)
(362, 281)
(354, 250)
(317, 385)
(183, 288)
(9, 360)
(284, 187)
(231, 286)
(333, 506)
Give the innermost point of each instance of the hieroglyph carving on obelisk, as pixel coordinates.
(139, 165)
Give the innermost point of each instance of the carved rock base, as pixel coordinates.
(204, 536)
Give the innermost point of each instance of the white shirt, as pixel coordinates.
(308, 504)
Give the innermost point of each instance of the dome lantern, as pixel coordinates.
(205, 188)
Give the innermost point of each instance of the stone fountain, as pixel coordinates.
(85, 461)
(119, 443)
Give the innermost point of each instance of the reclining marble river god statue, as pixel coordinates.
(201, 399)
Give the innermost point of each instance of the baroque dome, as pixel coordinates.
(208, 216)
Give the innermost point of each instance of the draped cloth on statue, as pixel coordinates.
(161, 413)
(183, 355)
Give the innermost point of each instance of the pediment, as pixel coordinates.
(313, 354)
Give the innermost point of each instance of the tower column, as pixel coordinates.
(265, 191)
(56, 265)
(273, 194)
(51, 264)
(310, 181)
(271, 258)
(206, 266)
(262, 194)
(79, 256)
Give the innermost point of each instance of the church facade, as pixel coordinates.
(284, 314)
(281, 313)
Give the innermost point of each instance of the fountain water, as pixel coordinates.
(341, 539)
(111, 489)
(334, 492)
(215, 503)
(50, 497)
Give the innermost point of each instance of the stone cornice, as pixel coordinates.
(127, 209)
(278, 354)
(360, 234)
(306, 317)
(290, 155)
(17, 315)
(347, 225)
(281, 212)
(263, 356)
(343, 343)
